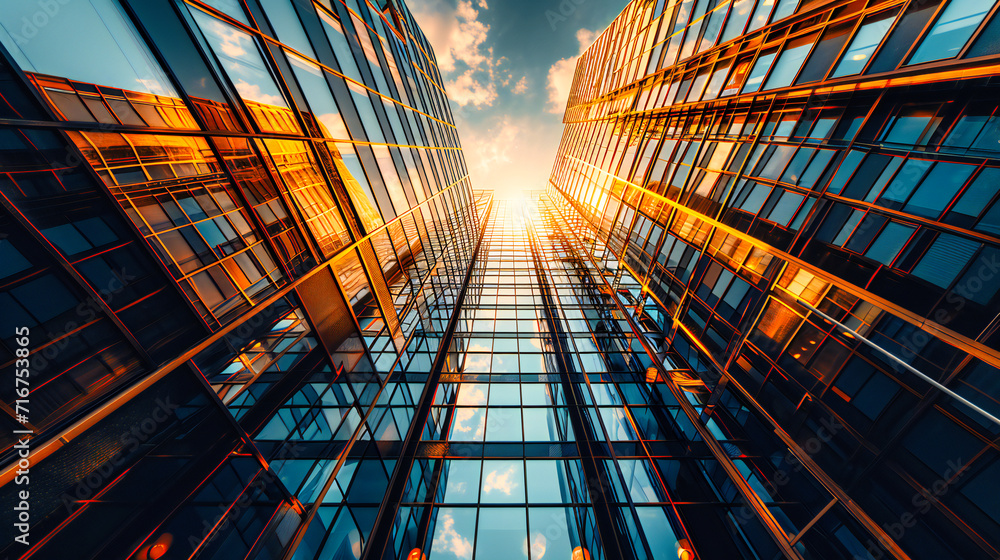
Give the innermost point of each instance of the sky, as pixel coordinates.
(508, 66)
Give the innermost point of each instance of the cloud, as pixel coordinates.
(521, 86)
(561, 73)
(463, 415)
(252, 92)
(471, 395)
(447, 539)
(459, 40)
(537, 546)
(503, 482)
(508, 154)
(468, 90)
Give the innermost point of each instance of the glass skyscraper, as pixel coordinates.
(796, 203)
(261, 313)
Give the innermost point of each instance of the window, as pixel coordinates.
(951, 31)
(865, 387)
(738, 17)
(760, 69)
(822, 57)
(287, 27)
(908, 177)
(868, 37)
(913, 126)
(945, 259)
(981, 283)
(790, 61)
(341, 48)
(83, 33)
(317, 91)
(904, 35)
(888, 244)
(938, 188)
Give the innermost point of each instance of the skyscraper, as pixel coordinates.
(799, 201)
(253, 308)
(224, 225)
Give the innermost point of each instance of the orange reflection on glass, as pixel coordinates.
(78, 101)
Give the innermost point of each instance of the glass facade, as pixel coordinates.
(236, 233)
(752, 315)
(799, 216)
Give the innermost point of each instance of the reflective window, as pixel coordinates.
(945, 259)
(952, 29)
(84, 32)
(317, 91)
(341, 48)
(241, 59)
(789, 62)
(738, 16)
(904, 35)
(760, 69)
(871, 33)
(822, 57)
(287, 27)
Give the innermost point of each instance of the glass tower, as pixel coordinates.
(261, 313)
(233, 235)
(796, 203)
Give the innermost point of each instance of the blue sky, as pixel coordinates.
(508, 65)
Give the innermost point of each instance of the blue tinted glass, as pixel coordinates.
(553, 533)
(938, 188)
(90, 41)
(945, 259)
(788, 65)
(287, 26)
(11, 260)
(502, 534)
(461, 481)
(241, 60)
(905, 181)
(979, 193)
(317, 92)
(888, 244)
(502, 482)
(951, 30)
(454, 534)
(872, 32)
(341, 48)
(757, 74)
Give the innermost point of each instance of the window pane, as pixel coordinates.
(938, 188)
(758, 72)
(89, 41)
(945, 259)
(454, 534)
(889, 243)
(241, 59)
(317, 92)
(956, 24)
(872, 32)
(790, 62)
(824, 55)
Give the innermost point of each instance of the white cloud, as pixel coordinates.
(459, 40)
(537, 546)
(503, 482)
(447, 538)
(468, 90)
(253, 92)
(521, 86)
(561, 73)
